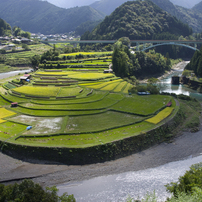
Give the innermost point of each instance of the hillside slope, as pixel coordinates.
(138, 20)
(41, 16)
(190, 16)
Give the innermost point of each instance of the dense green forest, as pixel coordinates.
(5, 28)
(196, 63)
(87, 26)
(27, 190)
(40, 16)
(138, 20)
(192, 17)
(139, 64)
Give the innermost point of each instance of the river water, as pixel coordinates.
(118, 187)
(13, 73)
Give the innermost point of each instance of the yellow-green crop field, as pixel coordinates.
(87, 53)
(110, 87)
(127, 88)
(120, 87)
(4, 113)
(90, 76)
(38, 91)
(65, 73)
(161, 115)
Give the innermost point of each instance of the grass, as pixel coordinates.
(38, 91)
(99, 122)
(13, 98)
(10, 129)
(105, 103)
(69, 91)
(55, 113)
(142, 105)
(161, 115)
(96, 96)
(87, 140)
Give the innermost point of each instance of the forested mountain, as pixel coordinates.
(5, 28)
(138, 20)
(41, 16)
(87, 26)
(190, 16)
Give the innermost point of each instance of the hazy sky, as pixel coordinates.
(71, 3)
(186, 3)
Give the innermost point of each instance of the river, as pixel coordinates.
(118, 187)
(12, 73)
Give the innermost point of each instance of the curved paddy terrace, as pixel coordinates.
(78, 114)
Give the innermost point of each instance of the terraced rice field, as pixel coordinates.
(90, 76)
(161, 115)
(38, 91)
(84, 114)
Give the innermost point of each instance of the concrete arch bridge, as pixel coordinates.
(147, 44)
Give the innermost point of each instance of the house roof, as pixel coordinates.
(23, 77)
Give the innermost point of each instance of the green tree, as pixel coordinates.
(29, 191)
(191, 179)
(35, 61)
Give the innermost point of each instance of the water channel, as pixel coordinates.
(118, 187)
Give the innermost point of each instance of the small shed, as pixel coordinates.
(169, 104)
(14, 104)
(108, 71)
(143, 93)
(27, 75)
(23, 78)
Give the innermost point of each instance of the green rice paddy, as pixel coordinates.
(87, 109)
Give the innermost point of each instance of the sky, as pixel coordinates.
(71, 3)
(74, 3)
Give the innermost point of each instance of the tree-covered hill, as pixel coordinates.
(138, 20)
(5, 28)
(192, 17)
(41, 16)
